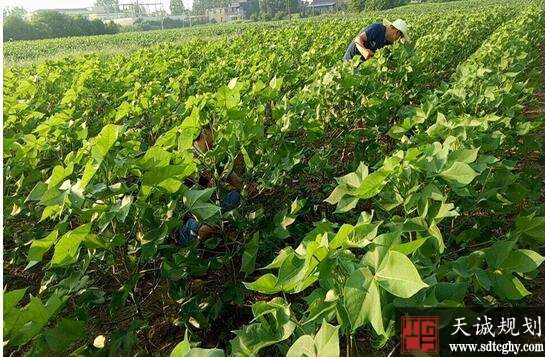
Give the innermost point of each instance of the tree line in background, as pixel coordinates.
(51, 24)
(373, 5)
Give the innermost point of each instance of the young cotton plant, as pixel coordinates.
(351, 287)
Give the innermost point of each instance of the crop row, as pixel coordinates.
(30, 52)
(406, 252)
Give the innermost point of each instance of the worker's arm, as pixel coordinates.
(359, 41)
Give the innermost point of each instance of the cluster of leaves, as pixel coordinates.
(98, 155)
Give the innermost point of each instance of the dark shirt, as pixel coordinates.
(376, 39)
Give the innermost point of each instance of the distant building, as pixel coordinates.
(238, 10)
(217, 14)
(126, 14)
(196, 18)
(322, 6)
(235, 10)
(84, 12)
(102, 13)
(74, 12)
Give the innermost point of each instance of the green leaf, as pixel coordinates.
(464, 155)
(346, 194)
(336, 195)
(58, 174)
(532, 226)
(435, 232)
(120, 296)
(250, 254)
(444, 210)
(181, 348)
(193, 196)
(292, 271)
(30, 321)
(276, 83)
(354, 179)
(362, 301)
(53, 197)
(37, 192)
(459, 174)
(100, 145)
(156, 156)
(410, 247)
(50, 211)
(416, 224)
(22, 325)
(522, 261)
(12, 298)
(122, 210)
(346, 204)
(202, 352)
(327, 340)
(509, 287)
(205, 211)
(64, 334)
(228, 98)
(266, 284)
(159, 175)
(275, 325)
(399, 276)
(432, 192)
(359, 236)
(363, 234)
(320, 304)
(247, 160)
(189, 129)
(450, 291)
(280, 257)
(171, 185)
(372, 184)
(40, 246)
(303, 347)
(341, 237)
(123, 110)
(379, 249)
(168, 140)
(498, 252)
(67, 248)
